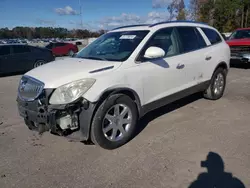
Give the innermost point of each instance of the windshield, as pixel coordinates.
(114, 46)
(240, 34)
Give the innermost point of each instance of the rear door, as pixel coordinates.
(193, 55)
(5, 61)
(22, 58)
(216, 51)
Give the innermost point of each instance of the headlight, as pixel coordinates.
(71, 91)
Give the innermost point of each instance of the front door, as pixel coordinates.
(165, 76)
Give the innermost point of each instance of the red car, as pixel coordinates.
(239, 43)
(62, 48)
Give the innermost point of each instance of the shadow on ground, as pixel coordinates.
(215, 177)
(142, 124)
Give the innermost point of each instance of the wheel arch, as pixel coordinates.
(121, 90)
(222, 65)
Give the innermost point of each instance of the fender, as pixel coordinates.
(124, 90)
(86, 116)
(223, 65)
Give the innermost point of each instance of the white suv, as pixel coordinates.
(100, 93)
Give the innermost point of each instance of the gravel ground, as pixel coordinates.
(166, 153)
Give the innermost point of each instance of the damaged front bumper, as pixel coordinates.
(71, 120)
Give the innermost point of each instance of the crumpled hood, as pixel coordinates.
(239, 42)
(60, 72)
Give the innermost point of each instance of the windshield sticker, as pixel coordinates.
(128, 37)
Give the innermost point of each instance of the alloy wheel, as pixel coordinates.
(117, 122)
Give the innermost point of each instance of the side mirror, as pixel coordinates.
(154, 53)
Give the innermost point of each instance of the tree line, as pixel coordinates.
(47, 32)
(225, 15)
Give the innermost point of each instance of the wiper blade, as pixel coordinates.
(95, 58)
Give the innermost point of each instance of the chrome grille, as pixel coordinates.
(29, 88)
(240, 49)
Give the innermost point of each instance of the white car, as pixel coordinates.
(99, 94)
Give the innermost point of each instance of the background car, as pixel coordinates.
(239, 43)
(62, 48)
(21, 58)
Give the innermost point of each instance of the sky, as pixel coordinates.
(96, 14)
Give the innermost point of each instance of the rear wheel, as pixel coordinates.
(114, 122)
(217, 86)
(39, 63)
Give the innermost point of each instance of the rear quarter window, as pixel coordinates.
(212, 35)
(60, 44)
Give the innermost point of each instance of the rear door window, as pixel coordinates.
(190, 39)
(4, 50)
(19, 49)
(212, 35)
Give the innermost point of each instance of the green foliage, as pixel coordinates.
(225, 15)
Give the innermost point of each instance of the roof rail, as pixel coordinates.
(130, 26)
(177, 21)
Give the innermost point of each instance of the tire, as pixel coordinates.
(111, 138)
(70, 53)
(217, 85)
(39, 63)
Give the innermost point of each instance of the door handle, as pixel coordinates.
(208, 58)
(180, 66)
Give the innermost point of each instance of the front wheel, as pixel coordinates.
(217, 85)
(114, 122)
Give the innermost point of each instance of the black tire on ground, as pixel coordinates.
(210, 91)
(97, 134)
(39, 63)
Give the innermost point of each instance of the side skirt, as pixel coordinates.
(174, 97)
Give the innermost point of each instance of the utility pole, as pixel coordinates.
(80, 13)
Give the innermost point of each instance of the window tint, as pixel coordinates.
(49, 46)
(20, 49)
(212, 35)
(190, 39)
(4, 50)
(165, 39)
(59, 44)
